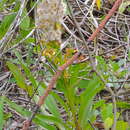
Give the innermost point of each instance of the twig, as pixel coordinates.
(72, 33)
(12, 27)
(20, 42)
(4, 76)
(69, 62)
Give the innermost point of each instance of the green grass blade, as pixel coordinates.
(1, 113)
(87, 96)
(26, 70)
(19, 77)
(50, 104)
(41, 120)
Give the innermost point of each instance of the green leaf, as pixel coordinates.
(41, 123)
(22, 111)
(124, 105)
(121, 125)
(1, 112)
(6, 22)
(102, 65)
(61, 101)
(50, 104)
(115, 66)
(7, 115)
(51, 119)
(17, 5)
(25, 21)
(82, 83)
(99, 104)
(106, 111)
(108, 123)
(75, 72)
(129, 54)
(123, 6)
(92, 88)
(26, 70)
(41, 120)
(19, 77)
(61, 85)
(2, 2)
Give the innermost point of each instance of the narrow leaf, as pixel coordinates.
(92, 88)
(6, 22)
(1, 112)
(41, 120)
(19, 77)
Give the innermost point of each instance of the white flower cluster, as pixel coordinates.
(49, 16)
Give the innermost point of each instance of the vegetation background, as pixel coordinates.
(53, 76)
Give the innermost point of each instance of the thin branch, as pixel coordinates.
(12, 27)
(18, 20)
(20, 42)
